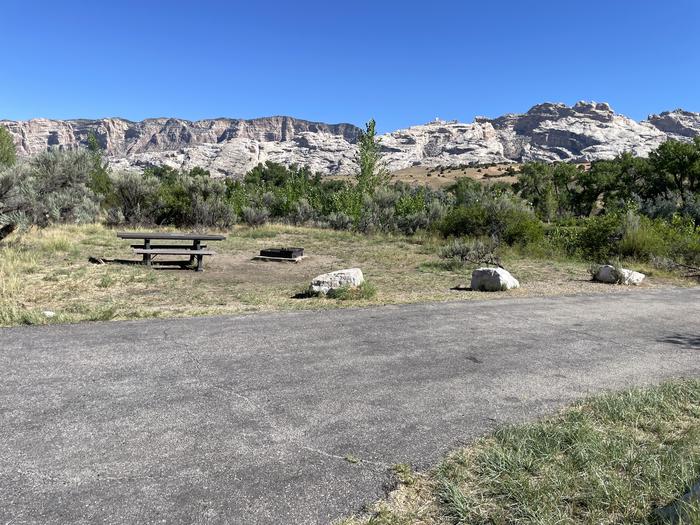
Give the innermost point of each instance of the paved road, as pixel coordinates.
(249, 419)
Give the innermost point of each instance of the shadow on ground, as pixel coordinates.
(156, 265)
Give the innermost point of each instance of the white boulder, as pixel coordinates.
(631, 277)
(609, 274)
(493, 280)
(350, 278)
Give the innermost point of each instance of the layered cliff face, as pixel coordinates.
(677, 124)
(228, 147)
(585, 132)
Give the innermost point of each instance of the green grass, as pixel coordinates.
(365, 292)
(613, 459)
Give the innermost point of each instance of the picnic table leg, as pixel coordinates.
(200, 266)
(147, 256)
(196, 245)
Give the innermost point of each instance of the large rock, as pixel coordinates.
(493, 280)
(350, 278)
(230, 147)
(606, 274)
(612, 275)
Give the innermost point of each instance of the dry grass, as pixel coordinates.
(48, 270)
(435, 177)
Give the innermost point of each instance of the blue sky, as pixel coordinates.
(400, 62)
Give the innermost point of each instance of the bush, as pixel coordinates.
(8, 155)
(303, 212)
(59, 186)
(564, 237)
(476, 252)
(521, 227)
(379, 212)
(340, 221)
(499, 218)
(134, 198)
(191, 198)
(640, 238)
(599, 237)
(15, 200)
(212, 211)
(255, 217)
(464, 221)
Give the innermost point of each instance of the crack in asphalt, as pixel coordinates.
(269, 420)
(267, 417)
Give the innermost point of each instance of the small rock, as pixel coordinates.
(493, 280)
(48, 313)
(323, 284)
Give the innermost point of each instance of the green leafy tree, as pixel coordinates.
(613, 183)
(676, 167)
(548, 187)
(373, 173)
(100, 182)
(8, 155)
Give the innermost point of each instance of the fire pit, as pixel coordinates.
(281, 254)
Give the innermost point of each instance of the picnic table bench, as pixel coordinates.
(195, 251)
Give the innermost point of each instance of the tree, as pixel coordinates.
(373, 173)
(8, 155)
(99, 183)
(615, 182)
(548, 188)
(676, 167)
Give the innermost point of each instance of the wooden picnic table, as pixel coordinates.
(195, 251)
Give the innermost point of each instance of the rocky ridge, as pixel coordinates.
(230, 147)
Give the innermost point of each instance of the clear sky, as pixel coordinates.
(401, 62)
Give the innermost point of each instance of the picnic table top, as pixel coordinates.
(171, 236)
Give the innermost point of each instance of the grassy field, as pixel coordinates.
(614, 459)
(48, 270)
(441, 177)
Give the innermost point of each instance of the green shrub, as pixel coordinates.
(564, 237)
(15, 200)
(133, 199)
(303, 212)
(521, 227)
(599, 237)
(213, 211)
(464, 221)
(8, 155)
(511, 224)
(58, 184)
(641, 238)
(340, 221)
(255, 216)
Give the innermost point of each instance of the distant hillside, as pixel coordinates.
(230, 147)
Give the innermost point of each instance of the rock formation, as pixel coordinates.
(229, 147)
